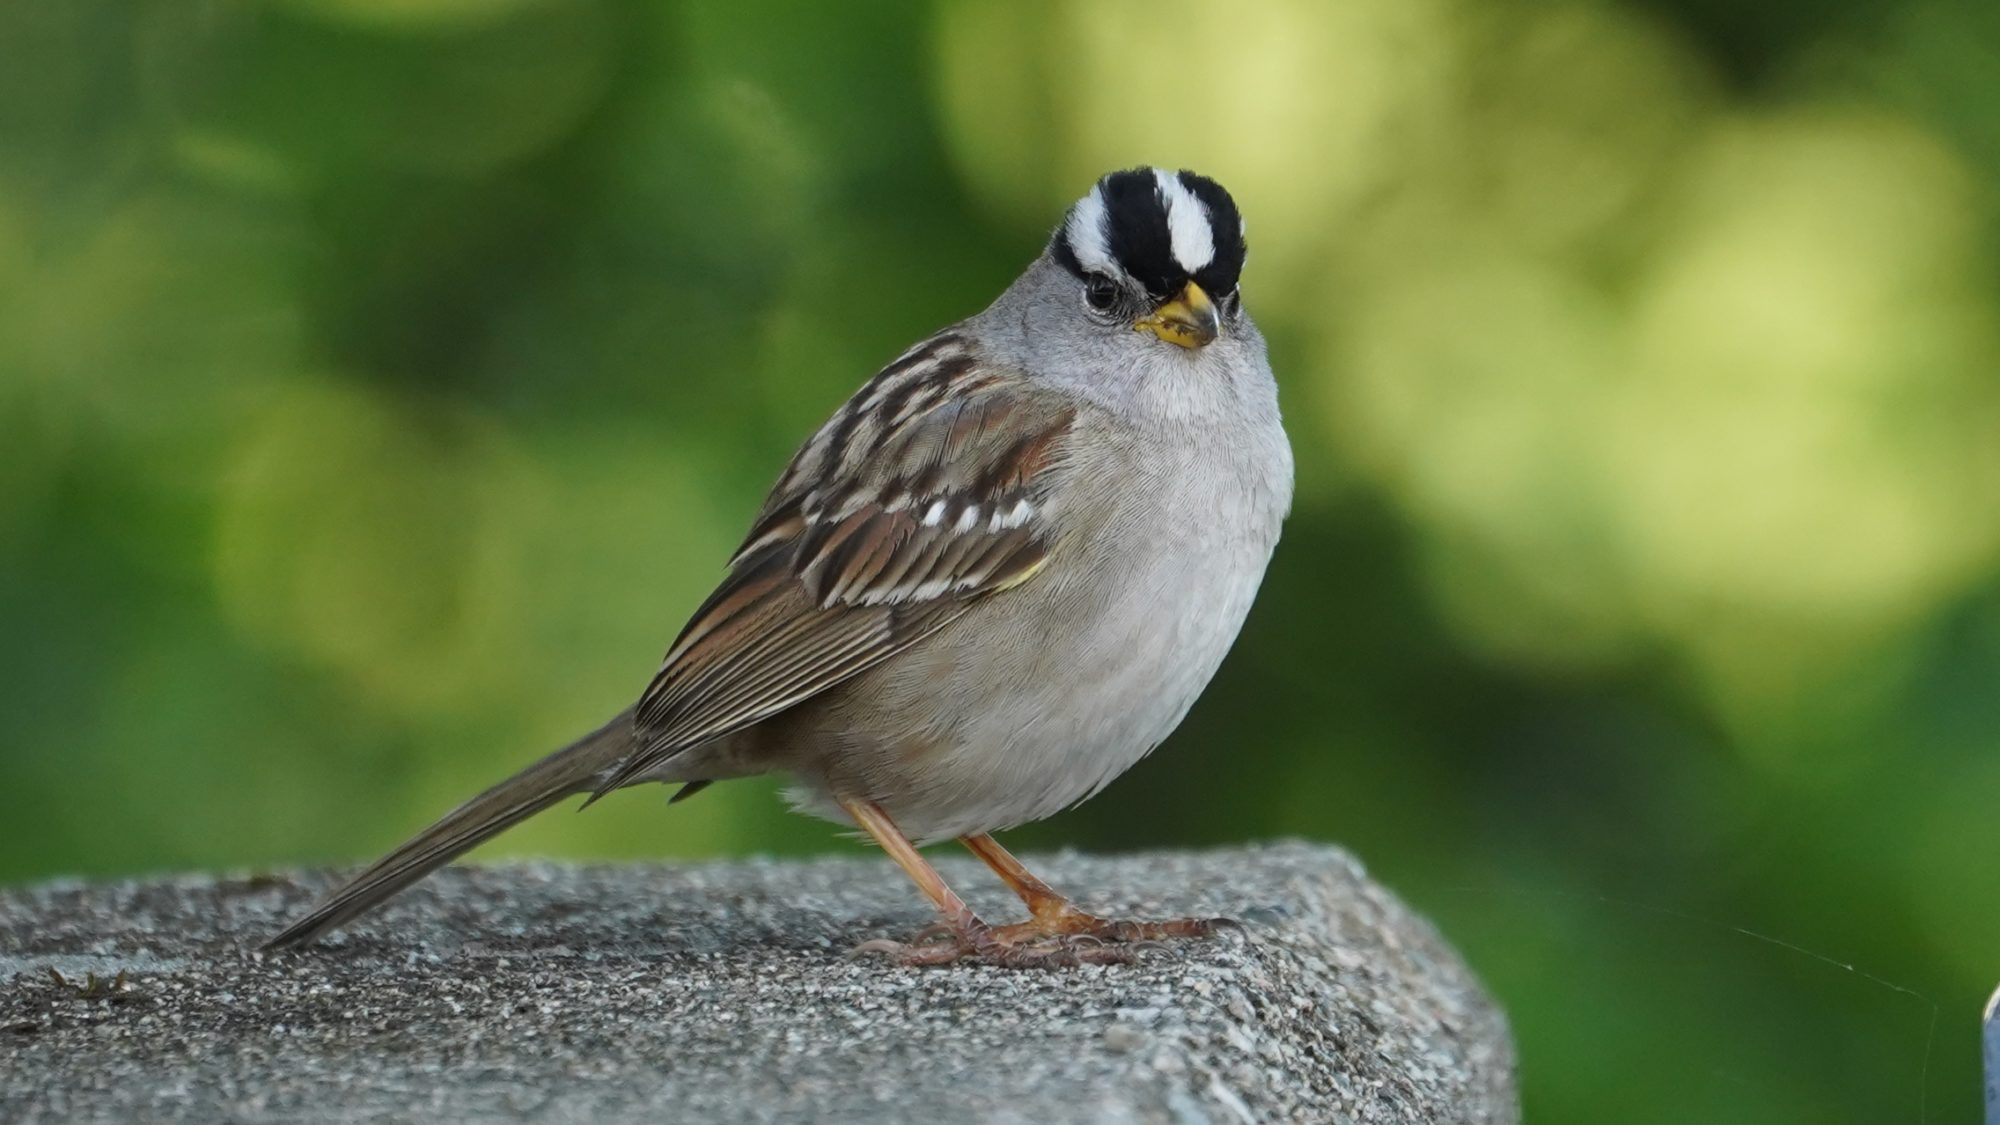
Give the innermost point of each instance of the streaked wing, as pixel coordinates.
(927, 491)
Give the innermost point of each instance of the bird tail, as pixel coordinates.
(575, 768)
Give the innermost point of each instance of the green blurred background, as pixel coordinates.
(382, 381)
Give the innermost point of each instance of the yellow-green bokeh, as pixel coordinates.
(382, 381)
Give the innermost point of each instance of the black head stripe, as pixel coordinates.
(1059, 247)
(1138, 233)
(1136, 221)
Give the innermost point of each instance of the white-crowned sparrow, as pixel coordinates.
(993, 581)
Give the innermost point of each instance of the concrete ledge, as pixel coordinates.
(723, 993)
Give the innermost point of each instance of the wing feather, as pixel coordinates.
(930, 490)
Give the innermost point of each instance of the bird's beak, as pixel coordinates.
(1189, 320)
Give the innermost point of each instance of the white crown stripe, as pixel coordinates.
(1087, 237)
(1187, 222)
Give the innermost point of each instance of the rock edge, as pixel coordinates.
(723, 992)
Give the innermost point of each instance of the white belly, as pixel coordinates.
(1059, 686)
(1041, 748)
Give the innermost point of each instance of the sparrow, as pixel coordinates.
(995, 579)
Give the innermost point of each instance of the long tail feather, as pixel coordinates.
(575, 768)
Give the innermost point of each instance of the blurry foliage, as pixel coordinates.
(382, 380)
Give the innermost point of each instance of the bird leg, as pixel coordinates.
(964, 933)
(1054, 915)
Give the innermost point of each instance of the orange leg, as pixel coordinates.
(1006, 946)
(1055, 915)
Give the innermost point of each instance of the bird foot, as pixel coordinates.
(1058, 940)
(1058, 952)
(1076, 923)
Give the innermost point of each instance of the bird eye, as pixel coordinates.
(1100, 292)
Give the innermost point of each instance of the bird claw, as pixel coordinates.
(1027, 946)
(1061, 952)
(1154, 932)
(910, 954)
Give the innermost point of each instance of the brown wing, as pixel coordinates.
(929, 490)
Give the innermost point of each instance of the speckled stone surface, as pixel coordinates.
(724, 993)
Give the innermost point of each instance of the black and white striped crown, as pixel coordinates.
(1158, 228)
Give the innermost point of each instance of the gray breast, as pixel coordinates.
(1043, 694)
